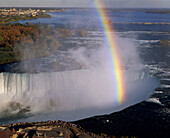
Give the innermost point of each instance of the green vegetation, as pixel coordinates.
(165, 42)
(13, 18)
(20, 42)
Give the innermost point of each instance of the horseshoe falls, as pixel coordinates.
(72, 95)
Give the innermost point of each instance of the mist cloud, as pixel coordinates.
(82, 93)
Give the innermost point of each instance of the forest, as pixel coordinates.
(20, 42)
(25, 41)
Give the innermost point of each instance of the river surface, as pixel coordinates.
(146, 38)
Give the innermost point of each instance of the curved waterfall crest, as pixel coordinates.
(75, 90)
(20, 83)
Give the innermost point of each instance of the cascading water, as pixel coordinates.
(70, 92)
(77, 93)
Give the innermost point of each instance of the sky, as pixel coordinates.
(86, 3)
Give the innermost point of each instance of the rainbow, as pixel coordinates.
(120, 90)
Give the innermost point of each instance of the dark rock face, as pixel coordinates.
(141, 120)
(167, 105)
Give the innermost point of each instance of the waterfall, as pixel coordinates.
(74, 90)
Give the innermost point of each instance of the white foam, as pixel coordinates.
(75, 94)
(154, 100)
(159, 92)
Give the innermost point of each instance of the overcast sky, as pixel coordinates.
(86, 3)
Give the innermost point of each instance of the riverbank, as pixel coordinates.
(20, 42)
(11, 18)
(8, 15)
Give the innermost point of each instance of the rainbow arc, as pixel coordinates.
(108, 28)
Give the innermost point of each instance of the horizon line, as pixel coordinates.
(84, 7)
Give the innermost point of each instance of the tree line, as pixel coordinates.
(18, 41)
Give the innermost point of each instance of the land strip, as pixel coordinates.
(45, 129)
(8, 15)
